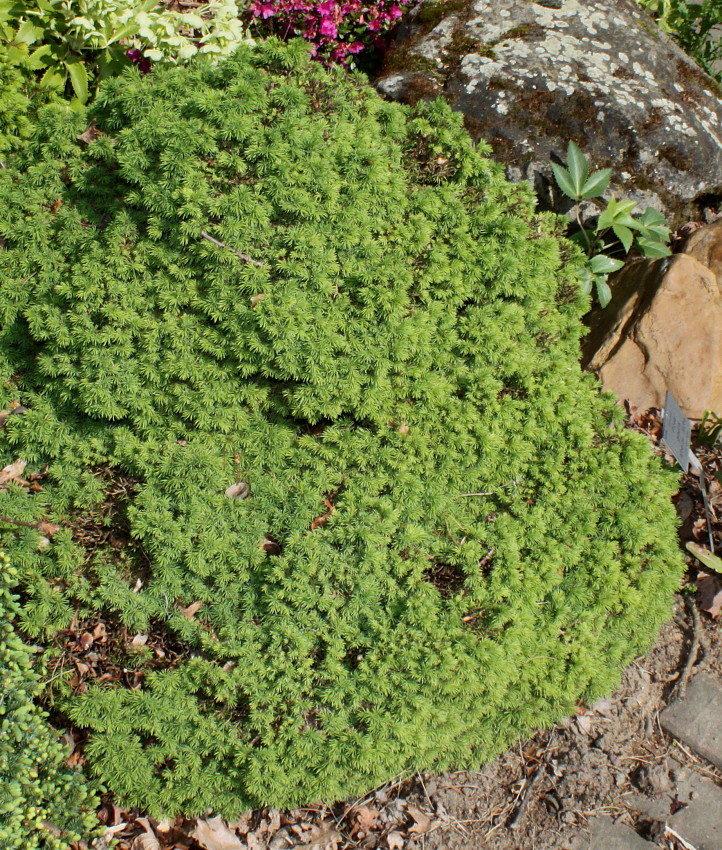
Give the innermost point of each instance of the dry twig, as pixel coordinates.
(681, 688)
(526, 796)
(244, 257)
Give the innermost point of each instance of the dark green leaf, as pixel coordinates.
(602, 264)
(597, 183)
(78, 78)
(578, 168)
(652, 248)
(604, 293)
(624, 234)
(564, 181)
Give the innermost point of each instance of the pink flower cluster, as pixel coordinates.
(337, 30)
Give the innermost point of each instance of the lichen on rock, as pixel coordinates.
(599, 72)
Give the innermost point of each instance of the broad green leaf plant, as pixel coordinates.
(74, 44)
(710, 428)
(617, 229)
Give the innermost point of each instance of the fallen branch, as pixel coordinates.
(244, 257)
(43, 526)
(681, 687)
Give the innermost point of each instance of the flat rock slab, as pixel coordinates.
(696, 720)
(698, 822)
(607, 835)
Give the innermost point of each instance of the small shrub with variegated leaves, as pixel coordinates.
(74, 44)
(310, 465)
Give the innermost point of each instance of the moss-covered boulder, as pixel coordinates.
(302, 367)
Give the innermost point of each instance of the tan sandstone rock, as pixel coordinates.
(661, 331)
(705, 245)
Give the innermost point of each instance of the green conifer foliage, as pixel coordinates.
(44, 805)
(261, 272)
(20, 98)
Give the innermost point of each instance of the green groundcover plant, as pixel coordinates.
(694, 25)
(298, 380)
(616, 229)
(44, 805)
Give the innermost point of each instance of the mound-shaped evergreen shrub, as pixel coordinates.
(441, 537)
(44, 804)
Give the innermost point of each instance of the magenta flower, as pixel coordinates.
(335, 29)
(328, 28)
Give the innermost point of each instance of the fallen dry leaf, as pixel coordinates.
(110, 831)
(323, 519)
(90, 134)
(15, 408)
(213, 834)
(239, 490)
(709, 587)
(326, 838)
(244, 821)
(584, 721)
(138, 641)
(191, 610)
(395, 840)
(12, 471)
(365, 818)
(422, 821)
(274, 820)
(69, 742)
(85, 640)
(256, 299)
(270, 546)
(48, 528)
(147, 840)
(605, 707)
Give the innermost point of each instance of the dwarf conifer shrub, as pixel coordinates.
(302, 367)
(44, 805)
(20, 98)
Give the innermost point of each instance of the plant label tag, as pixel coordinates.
(676, 431)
